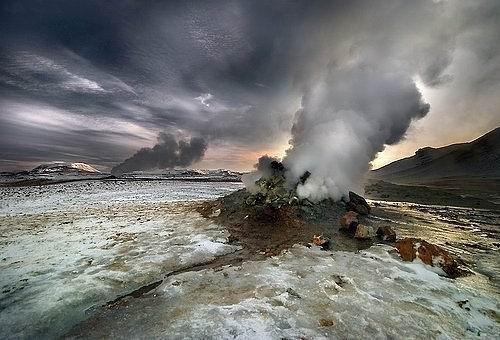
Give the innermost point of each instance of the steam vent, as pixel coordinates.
(273, 217)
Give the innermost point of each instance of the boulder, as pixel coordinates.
(349, 220)
(431, 254)
(386, 233)
(364, 232)
(358, 204)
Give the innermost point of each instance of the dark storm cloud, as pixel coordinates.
(113, 74)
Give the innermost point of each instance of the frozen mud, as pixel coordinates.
(306, 294)
(65, 249)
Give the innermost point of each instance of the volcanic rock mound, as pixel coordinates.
(273, 217)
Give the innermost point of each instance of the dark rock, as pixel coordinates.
(463, 304)
(304, 177)
(326, 245)
(293, 293)
(431, 254)
(358, 204)
(340, 280)
(232, 239)
(386, 233)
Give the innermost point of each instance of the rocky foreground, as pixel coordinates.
(273, 218)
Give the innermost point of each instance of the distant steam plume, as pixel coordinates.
(170, 152)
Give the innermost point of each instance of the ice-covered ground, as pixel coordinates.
(472, 234)
(306, 294)
(67, 249)
(77, 195)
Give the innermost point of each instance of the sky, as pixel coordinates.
(95, 81)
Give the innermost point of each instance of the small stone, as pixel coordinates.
(293, 293)
(364, 232)
(231, 239)
(462, 304)
(215, 213)
(386, 233)
(326, 323)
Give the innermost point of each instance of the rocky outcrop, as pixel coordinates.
(411, 248)
(386, 233)
(358, 204)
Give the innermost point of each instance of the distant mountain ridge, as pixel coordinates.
(60, 172)
(186, 174)
(479, 158)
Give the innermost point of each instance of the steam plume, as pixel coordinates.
(168, 153)
(345, 119)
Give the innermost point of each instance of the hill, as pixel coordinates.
(477, 159)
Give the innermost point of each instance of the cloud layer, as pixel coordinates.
(96, 81)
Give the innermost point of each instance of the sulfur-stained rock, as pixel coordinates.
(364, 232)
(431, 254)
(386, 233)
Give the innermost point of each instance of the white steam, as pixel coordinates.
(355, 64)
(360, 92)
(345, 119)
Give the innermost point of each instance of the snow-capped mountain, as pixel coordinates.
(64, 167)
